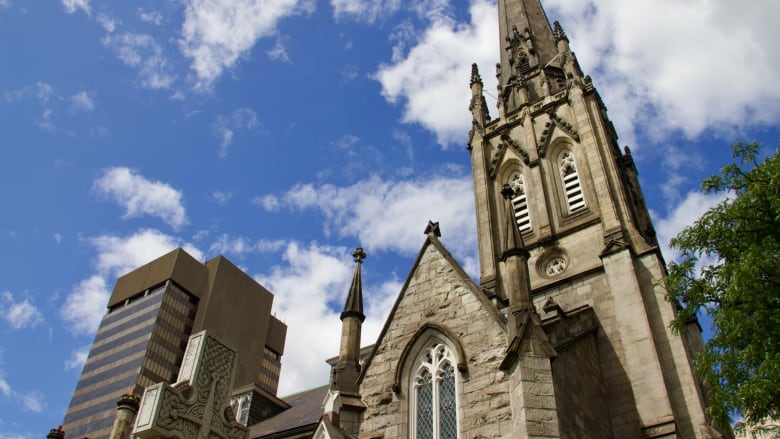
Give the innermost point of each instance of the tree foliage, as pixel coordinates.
(730, 269)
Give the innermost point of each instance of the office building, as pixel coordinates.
(151, 313)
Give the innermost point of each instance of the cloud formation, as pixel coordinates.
(366, 11)
(686, 67)
(310, 288)
(143, 53)
(387, 214)
(225, 127)
(217, 33)
(684, 214)
(72, 6)
(82, 101)
(139, 196)
(19, 314)
(430, 80)
(29, 401)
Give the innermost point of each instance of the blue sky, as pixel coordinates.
(284, 133)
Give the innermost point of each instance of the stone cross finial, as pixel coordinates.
(197, 406)
(433, 228)
(359, 255)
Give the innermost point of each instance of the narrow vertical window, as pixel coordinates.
(575, 200)
(424, 406)
(448, 420)
(435, 395)
(520, 202)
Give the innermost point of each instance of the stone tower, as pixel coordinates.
(585, 232)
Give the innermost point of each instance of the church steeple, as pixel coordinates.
(561, 220)
(534, 56)
(347, 368)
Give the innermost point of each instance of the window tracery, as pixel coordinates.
(434, 394)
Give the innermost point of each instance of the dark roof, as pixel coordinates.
(304, 412)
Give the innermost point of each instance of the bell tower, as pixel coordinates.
(582, 219)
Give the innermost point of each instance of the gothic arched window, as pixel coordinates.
(434, 394)
(520, 202)
(572, 188)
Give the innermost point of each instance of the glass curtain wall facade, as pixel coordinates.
(140, 342)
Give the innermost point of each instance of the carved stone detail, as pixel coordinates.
(197, 406)
(498, 157)
(549, 126)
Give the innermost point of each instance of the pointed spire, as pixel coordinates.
(524, 27)
(354, 305)
(559, 33)
(475, 78)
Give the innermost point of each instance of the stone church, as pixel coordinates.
(566, 334)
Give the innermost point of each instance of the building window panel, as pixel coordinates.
(434, 392)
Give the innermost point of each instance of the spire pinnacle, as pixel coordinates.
(559, 33)
(354, 305)
(475, 78)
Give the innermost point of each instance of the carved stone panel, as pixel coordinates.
(197, 406)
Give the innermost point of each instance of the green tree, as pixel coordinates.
(730, 269)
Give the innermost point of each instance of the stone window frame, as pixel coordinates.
(565, 218)
(570, 180)
(407, 365)
(433, 360)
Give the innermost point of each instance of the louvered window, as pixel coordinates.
(572, 187)
(520, 202)
(435, 407)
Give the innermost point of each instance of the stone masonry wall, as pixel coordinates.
(437, 294)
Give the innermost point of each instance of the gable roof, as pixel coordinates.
(303, 415)
(460, 273)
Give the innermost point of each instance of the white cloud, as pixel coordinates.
(240, 246)
(279, 52)
(142, 52)
(4, 4)
(309, 293)
(86, 304)
(682, 215)
(119, 255)
(30, 401)
(366, 11)
(108, 22)
(82, 101)
(225, 127)
(221, 197)
(140, 196)
(216, 33)
(21, 314)
(431, 80)
(268, 202)
(151, 17)
(77, 358)
(690, 67)
(392, 214)
(72, 5)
